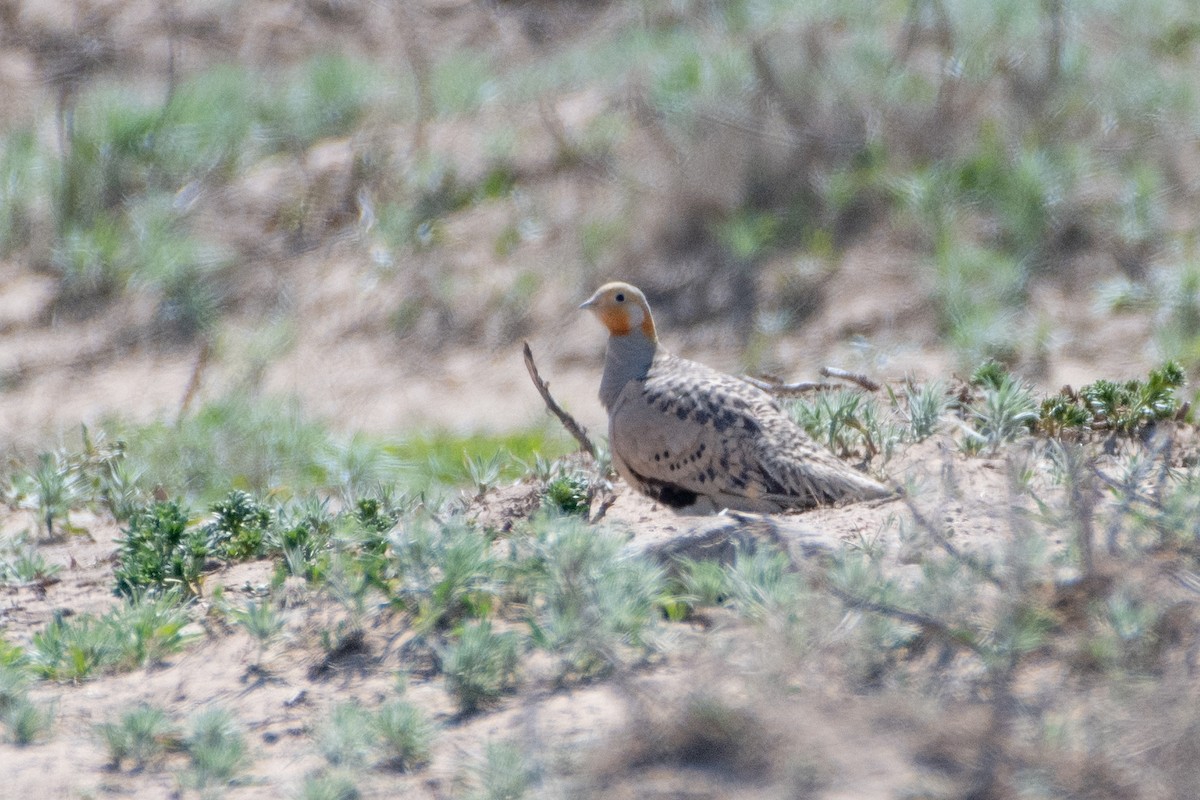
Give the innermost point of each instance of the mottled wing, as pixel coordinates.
(689, 431)
(805, 471)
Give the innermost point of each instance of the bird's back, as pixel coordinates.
(685, 433)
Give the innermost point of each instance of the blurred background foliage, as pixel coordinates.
(486, 163)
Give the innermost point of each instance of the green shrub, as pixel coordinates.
(505, 773)
(330, 786)
(239, 528)
(262, 622)
(27, 721)
(159, 552)
(569, 493)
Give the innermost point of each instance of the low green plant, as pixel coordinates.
(330, 786)
(159, 551)
(303, 534)
(762, 586)
(27, 721)
(592, 605)
(347, 736)
(1122, 408)
(14, 680)
(148, 629)
(703, 583)
(106, 474)
(53, 487)
(404, 736)
(446, 572)
(480, 665)
(25, 567)
(568, 493)
(484, 472)
(1006, 410)
(216, 750)
(505, 773)
(72, 650)
(262, 622)
(924, 406)
(848, 422)
(140, 631)
(141, 735)
(239, 527)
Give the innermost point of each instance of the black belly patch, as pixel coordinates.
(665, 492)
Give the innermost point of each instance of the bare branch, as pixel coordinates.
(943, 541)
(781, 389)
(931, 625)
(568, 422)
(853, 377)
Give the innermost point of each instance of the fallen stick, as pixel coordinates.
(568, 422)
(853, 377)
(787, 389)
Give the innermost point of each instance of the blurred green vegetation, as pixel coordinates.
(267, 445)
(997, 141)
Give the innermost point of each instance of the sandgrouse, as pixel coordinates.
(687, 435)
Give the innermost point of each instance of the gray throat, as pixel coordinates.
(628, 359)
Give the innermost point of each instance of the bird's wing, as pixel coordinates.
(808, 471)
(712, 434)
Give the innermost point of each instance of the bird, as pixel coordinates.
(693, 438)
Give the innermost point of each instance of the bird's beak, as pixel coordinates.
(590, 303)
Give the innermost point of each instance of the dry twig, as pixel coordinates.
(853, 377)
(781, 389)
(568, 422)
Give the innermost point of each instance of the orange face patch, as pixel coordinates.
(616, 319)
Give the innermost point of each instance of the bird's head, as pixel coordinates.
(623, 309)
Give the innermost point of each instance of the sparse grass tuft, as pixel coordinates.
(480, 666)
(27, 721)
(262, 622)
(330, 786)
(51, 489)
(704, 583)
(404, 736)
(141, 736)
(139, 632)
(848, 422)
(26, 566)
(216, 749)
(504, 774)
(347, 736)
(446, 572)
(924, 406)
(1007, 410)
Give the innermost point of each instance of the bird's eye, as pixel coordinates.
(620, 298)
